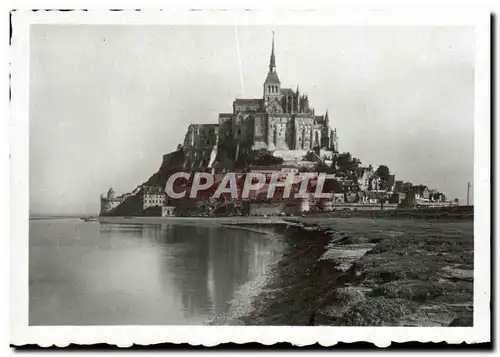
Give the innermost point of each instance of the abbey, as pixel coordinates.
(280, 120)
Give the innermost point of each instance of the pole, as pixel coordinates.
(468, 190)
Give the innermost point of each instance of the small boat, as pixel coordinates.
(88, 219)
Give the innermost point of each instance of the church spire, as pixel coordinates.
(272, 62)
(272, 85)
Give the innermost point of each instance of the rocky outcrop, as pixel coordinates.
(132, 205)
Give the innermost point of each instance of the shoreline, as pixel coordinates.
(344, 275)
(458, 213)
(229, 222)
(356, 271)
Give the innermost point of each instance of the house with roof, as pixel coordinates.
(421, 192)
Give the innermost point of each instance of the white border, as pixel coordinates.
(21, 333)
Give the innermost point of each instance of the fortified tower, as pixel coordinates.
(111, 194)
(109, 201)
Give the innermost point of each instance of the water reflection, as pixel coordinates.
(212, 265)
(91, 273)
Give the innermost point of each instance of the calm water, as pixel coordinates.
(87, 273)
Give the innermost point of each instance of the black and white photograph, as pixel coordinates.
(207, 170)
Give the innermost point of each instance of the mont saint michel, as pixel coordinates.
(278, 133)
(251, 175)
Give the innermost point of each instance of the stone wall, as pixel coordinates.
(201, 136)
(359, 206)
(280, 132)
(261, 209)
(303, 133)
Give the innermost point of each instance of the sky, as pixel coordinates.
(107, 101)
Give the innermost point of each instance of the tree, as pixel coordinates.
(355, 163)
(383, 172)
(344, 161)
(347, 164)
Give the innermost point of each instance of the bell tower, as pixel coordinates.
(272, 84)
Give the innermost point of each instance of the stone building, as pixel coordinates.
(152, 197)
(281, 119)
